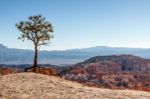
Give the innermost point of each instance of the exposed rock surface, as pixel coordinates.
(5, 71)
(119, 62)
(123, 71)
(44, 70)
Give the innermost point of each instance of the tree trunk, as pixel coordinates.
(35, 64)
(35, 58)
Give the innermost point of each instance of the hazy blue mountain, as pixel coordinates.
(20, 56)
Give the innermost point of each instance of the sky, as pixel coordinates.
(80, 23)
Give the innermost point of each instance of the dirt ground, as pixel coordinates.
(38, 86)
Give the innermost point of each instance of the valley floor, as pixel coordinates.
(38, 86)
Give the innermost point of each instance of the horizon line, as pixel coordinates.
(107, 46)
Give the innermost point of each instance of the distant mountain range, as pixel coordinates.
(72, 56)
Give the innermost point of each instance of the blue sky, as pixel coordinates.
(80, 23)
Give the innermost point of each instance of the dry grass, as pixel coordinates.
(37, 86)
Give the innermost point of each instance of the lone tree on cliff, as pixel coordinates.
(37, 30)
